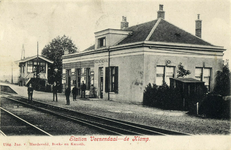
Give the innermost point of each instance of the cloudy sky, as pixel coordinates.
(26, 22)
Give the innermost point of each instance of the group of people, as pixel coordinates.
(75, 92)
(67, 93)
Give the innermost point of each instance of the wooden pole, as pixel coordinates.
(109, 73)
(12, 72)
(37, 61)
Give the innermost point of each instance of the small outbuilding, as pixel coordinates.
(189, 88)
(34, 70)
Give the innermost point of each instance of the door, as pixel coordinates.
(69, 78)
(101, 87)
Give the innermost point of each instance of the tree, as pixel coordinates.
(54, 51)
(181, 72)
(222, 81)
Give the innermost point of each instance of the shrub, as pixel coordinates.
(162, 97)
(149, 95)
(214, 106)
(222, 82)
(181, 72)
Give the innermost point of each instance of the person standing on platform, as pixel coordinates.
(83, 89)
(55, 97)
(74, 92)
(67, 93)
(30, 92)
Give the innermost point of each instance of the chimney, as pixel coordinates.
(124, 23)
(198, 26)
(160, 13)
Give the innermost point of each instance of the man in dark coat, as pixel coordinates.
(55, 92)
(67, 93)
(83, 88)
(74, 92)
(30, 92)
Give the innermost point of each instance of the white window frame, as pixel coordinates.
(202, 76)
(164, 74)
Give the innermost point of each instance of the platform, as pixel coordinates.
(165, 119)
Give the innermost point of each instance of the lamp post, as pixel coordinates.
(55, 97)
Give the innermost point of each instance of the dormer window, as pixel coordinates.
(102, 42)
(109, 37)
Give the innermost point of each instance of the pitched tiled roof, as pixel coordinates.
(163, 32)
(166, 32)
(140, 32)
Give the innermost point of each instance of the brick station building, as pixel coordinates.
(123, 61)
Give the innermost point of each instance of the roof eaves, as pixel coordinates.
(127, 44)
(185, 45)
(26, 59)
(33, 57)
(46, 59)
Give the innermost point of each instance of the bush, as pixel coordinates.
(149, 95)
(162, 97)
(214, 106)
(222, 82)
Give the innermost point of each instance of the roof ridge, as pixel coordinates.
(33, 57)
(153, 29)
(190, 33)
(138, 24)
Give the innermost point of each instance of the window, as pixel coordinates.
(82, 70)
(203, 74)
(72, 70)
(74, 82)
(42, 67)
(163, 73)
(68, 72)
(198, 73)
(159, 75)
(64, 71)
(92, 75)
(88, 78)
(29, 66)
(111, 83)
(78, 77)
(22, 68)
(102, 42)
(35, 66)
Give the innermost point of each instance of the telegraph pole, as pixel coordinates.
(37, 69)
(109, 70)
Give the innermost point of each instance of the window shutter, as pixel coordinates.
(106, 79)
(116, 80)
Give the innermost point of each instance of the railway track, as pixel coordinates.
(108, 125)
(22, 126)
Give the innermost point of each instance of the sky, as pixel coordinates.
(27, 22)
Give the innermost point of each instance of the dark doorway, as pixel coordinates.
(101, 87)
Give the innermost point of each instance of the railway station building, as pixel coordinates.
(122, 62)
